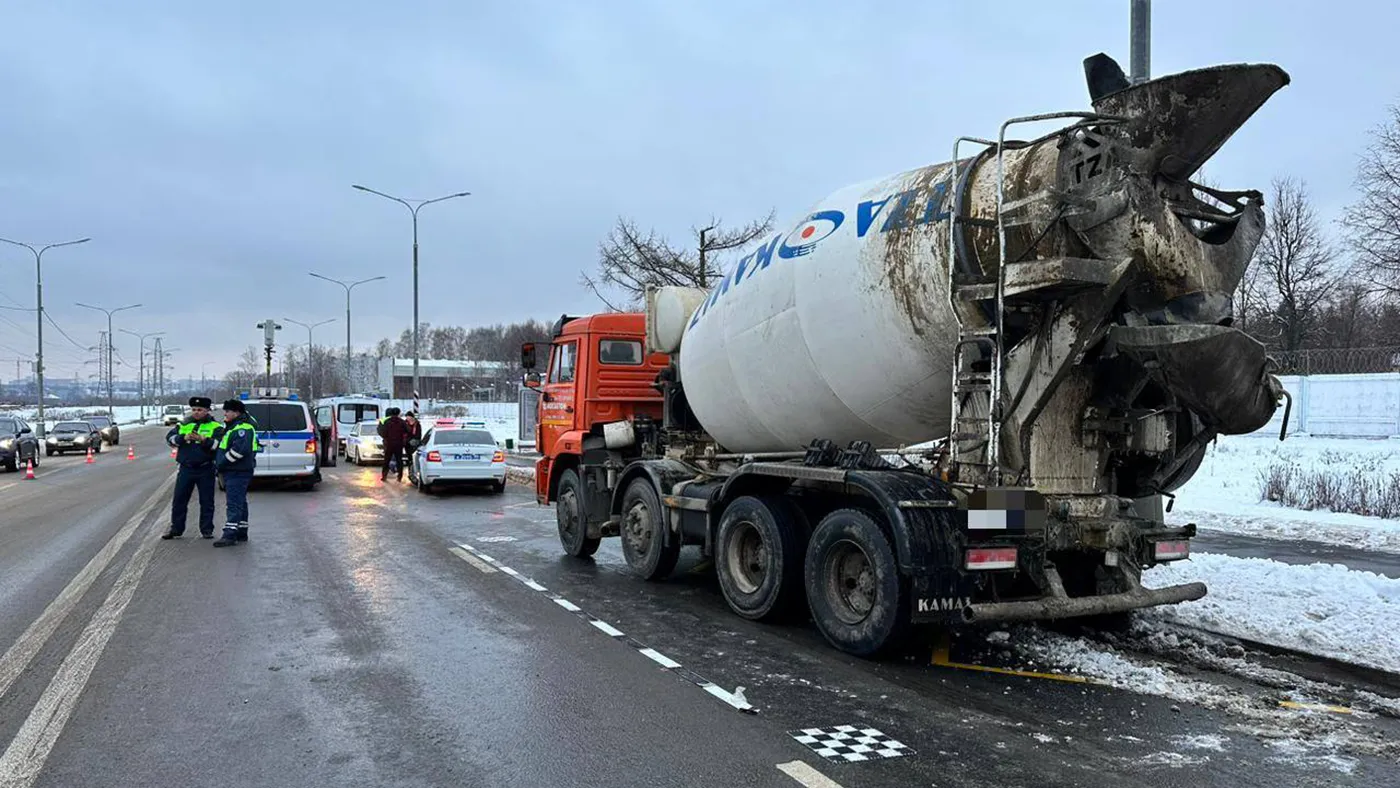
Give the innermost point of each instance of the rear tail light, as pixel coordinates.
(991, 558)
(1171, 551)
(499, 456)
(311, 446)
(434, 456)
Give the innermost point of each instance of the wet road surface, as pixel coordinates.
(368, 635)
(1296, 552)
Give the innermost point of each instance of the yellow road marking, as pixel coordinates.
(1289, 704)
(940, 659)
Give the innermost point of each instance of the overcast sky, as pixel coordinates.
(208, 148)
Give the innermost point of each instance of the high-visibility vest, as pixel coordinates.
(206, 428)
(223, 444)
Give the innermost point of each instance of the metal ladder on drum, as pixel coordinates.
(985, 430)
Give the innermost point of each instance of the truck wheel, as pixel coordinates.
(568, 511)
(759, 555)
(644, 541)
(853, 584)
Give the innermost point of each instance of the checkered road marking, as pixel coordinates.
(849, 744)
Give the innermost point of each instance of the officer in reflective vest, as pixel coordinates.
(194, 441)
(236, 458)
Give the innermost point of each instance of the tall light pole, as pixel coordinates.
(203, 378)
(141, 367)
(311, 382)
(348, 287)
(413, 206)
(39, 310)
(111, 414)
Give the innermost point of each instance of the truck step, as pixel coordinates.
(967, 388)
(978, 332)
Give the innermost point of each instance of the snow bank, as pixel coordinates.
(1322, 609)
(1224, 495)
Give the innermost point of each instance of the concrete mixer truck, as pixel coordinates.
(947, 396)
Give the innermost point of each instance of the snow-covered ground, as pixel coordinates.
(1322, 609)
(1224, 494)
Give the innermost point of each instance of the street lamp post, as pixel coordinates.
(111, 413)
(203, 378)
(348, 287)
(413, 206)
(311, 382)
(141, 367)
(39, 310)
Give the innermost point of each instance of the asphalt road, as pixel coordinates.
(354, 642)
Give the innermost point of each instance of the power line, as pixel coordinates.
(55, 324)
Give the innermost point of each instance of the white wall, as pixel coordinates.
(1348, 406)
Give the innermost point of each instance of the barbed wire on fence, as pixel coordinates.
(1336, 361)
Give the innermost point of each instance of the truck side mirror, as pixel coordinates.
(527, 355)
(532, 380)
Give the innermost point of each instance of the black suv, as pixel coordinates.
(17, 443)
(69, 436)
(107, 427)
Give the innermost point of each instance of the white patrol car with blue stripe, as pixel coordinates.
(286, 436)
(457, 451)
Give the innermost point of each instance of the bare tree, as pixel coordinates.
(1373, 221)
(1295, 263)
(629, 260)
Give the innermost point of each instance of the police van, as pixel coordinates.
(337, 417)
(287, 442)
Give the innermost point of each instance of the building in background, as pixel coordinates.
(481, 381)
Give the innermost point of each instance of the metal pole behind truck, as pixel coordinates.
(1140, 42)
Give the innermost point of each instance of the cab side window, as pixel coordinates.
(561, 369)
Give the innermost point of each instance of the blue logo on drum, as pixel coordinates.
(899, 211)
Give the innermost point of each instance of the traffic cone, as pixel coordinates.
(89, 457)
(131, 452)
(29, 470)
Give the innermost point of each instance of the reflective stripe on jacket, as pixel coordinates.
(190, 454)
(238, 446)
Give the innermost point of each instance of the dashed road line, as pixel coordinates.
(473, 560)
(806, 775)
(735, 698)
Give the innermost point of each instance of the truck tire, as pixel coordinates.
(568, 512)
(645, 543)
(758, 555)
(853, 584)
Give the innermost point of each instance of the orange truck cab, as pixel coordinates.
(599, 380)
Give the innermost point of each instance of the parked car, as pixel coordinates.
(18, 445)
(287, 440)
(109, 429)
(455, 454)
(363, 445)
(69, 436)
(174, 414)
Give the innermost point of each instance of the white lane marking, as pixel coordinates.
(805, 774)
(728, 697)
(608, 629)
(29, 750)
(17, 658)
(510, 571)
(567, 605)
(532, 585)
(473, 560)
(659, 658)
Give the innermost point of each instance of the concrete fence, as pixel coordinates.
(1341, 406)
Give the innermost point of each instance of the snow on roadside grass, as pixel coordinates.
(1224, 494)
(1321, 609)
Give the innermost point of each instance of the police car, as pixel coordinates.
(286, 436)
(363, 444)
(455, 451)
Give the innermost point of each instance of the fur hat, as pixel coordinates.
(201, 402)
(235, 405)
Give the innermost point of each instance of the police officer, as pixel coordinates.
(194, 441)
(236, 459)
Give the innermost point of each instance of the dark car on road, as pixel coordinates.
(18, 445)
(107, 427)
(69, 436)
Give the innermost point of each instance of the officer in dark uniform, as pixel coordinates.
(194, 441)
(236, 458)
